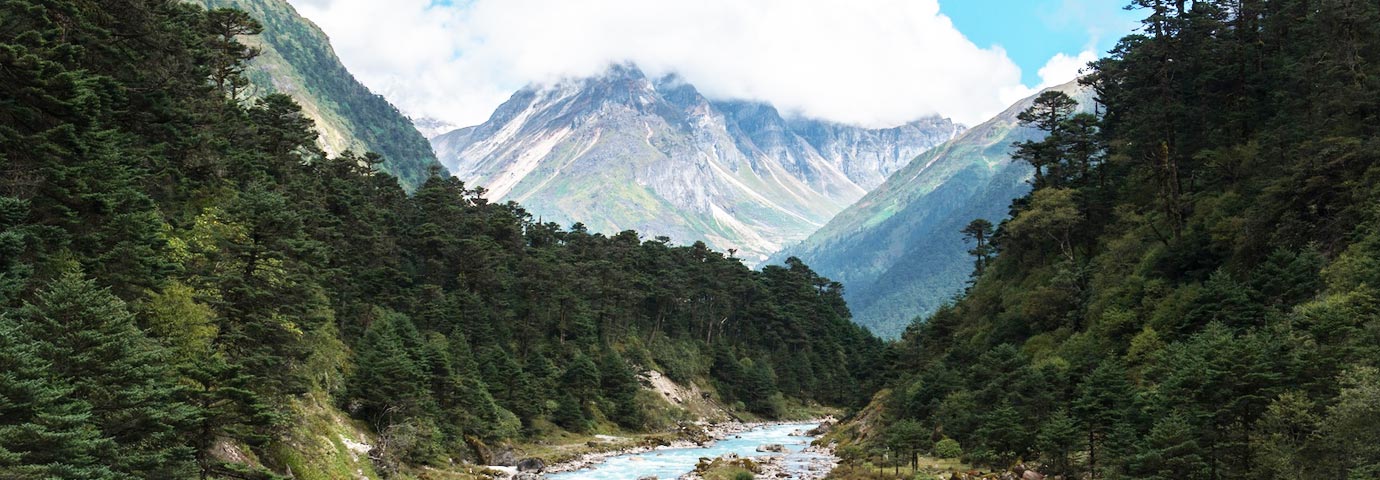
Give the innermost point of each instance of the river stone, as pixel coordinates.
(772, 447)
(531, 464)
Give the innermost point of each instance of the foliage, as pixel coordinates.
(1188, 292)
(948, 448)
(181, 265)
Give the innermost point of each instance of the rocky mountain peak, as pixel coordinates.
(621, 150)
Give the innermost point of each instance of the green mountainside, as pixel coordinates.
(898, 251)
(1190, 291)
(297, 60)
(190, 287)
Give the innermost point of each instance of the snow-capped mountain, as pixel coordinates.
(623, 151)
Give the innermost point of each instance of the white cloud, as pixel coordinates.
(870, 62)
(1060, 69)
(1063, 68)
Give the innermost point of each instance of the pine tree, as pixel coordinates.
(387, 384)
(1058, 439)
(908, 438)
(1102, 407)
(980, 232)
(581, 379)
(620, 386)
(1047, 115)
(226, 407)
(44, 433)
(1170, 452)
(15, 238)
(93, 345)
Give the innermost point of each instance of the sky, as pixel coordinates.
(873, 63)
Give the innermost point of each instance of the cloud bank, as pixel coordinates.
(866, 62)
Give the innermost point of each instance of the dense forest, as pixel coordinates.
(179, 263)
(1190, 290)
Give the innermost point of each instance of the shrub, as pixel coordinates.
(948, 448)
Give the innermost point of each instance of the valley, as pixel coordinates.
(223, 257)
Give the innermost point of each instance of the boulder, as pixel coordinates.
(772, 447)
(531, 464)
(1032, 475)
(504, 455)
(648, 477)
(822, 429)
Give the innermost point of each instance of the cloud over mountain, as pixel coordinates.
(866, 62)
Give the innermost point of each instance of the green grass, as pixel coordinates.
(314, 450)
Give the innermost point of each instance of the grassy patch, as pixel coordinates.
(728, 469)
(315, 447)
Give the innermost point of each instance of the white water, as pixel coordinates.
(668, 464)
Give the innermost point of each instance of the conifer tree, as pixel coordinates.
(44, 433)
(92, 344)
(388, 385)
(1102, 407)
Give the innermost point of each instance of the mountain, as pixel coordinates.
(431, 127)
(622, 151)
(297, 60)
(898, 250)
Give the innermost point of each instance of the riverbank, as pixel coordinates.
(691, 435)
(815, 462)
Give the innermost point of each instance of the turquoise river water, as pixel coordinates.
(667, 464)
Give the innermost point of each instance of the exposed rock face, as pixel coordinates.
(898, 250)
(622, 151)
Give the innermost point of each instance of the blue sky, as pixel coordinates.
(1032, 31)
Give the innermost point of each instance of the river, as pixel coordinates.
(670, 463)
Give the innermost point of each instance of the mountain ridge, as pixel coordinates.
(624, 151)
(297, 59)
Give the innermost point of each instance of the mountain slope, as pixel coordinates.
(1190, 291)
(297, 60)
(622, 151)
(898, 250)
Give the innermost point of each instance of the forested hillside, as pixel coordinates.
(1190, 290)
(898, 251)
(183, 272)
(296, 59)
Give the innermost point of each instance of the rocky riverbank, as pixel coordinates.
(704, 434)
(692, 435)
(813, 463)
